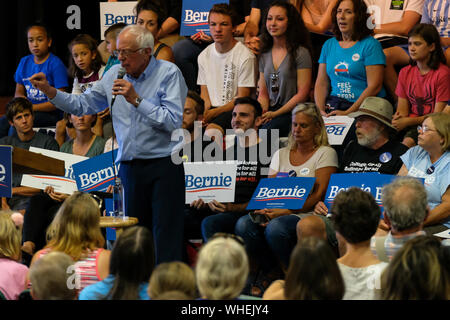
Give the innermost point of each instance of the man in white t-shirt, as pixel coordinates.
(393, 20)
(227, 70)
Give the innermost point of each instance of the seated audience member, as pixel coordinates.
(307, 155)
(374, 150)
(172, 276)
(351, 64)
(110, 35)
(222, 268)
(437, 13)
(313, 274)
(247, 150)
(150, 17)
(40, 60)
(50, 277)
(13, 274)
(391, 23)
(43, 206)
(173, 295)
(430, 160)
(418, 271)
(424, 85)
(75, 230)
(355, 216)
(86, 67)
(186, 51)
(285, 67)
(130, 267)
(20, 115)
(405, 209)
(227, 70)
(170, 27)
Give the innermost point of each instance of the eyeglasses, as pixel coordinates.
(97, 199)
(228, 236)
(424, 129)
(125, 52)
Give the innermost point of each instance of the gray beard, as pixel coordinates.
(369, 139)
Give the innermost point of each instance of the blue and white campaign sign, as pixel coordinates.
(281, 193)
(210, 181)
(194, 16)
(66, 184)
(337, 128)
(116, 12)
(6, 171)
(371, 182)
(95, 174)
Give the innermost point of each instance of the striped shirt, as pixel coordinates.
(437, 12)
(393, 243)
(86, 268)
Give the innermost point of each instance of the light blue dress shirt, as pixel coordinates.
(143, 132)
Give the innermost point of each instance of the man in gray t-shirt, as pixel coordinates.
(19, 112)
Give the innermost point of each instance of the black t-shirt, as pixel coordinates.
(385, 160)
(250, 169)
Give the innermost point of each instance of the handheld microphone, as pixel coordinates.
(120, 75)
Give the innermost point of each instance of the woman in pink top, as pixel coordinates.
(424, 86)
(12, 273)
(75, 230)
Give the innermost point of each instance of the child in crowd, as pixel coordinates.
(110, 40)
(12, 273)
(423, 86)
(50, 277)
(130, 268)
(172, 276)
(86, 67)
(40, 60)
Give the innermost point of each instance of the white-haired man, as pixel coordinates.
(148, 107)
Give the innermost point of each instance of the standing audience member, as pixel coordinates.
(438, 13)
(307, 155)
(172, 276)
(19, 112)
(405, 209)
(222, 268)
(391, 22)
(227, 70)
(424, 85)
(40, 60)
(351, 64)
(313, 274)
(75, 230)
(13, 274)
(130, 267)
(430, 160)
(285, 67)
(50, 277)
(86, 67)
(418, 271)
(355, 216)
(150, 17)
(149, 106)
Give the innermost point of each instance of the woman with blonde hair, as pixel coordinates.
(75, 230)
(172, 276)
(308, 154)
(222, 268)
(12, 272)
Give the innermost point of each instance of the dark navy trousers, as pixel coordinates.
(155, 194)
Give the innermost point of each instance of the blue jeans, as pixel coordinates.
(186, 53)
(282, 123)
(266, 245)
(219, 222)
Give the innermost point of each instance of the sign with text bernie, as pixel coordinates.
(95, 174)
(194, 16)
(281, 193)
(6, 171)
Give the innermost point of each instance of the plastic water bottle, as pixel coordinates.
(118, 200)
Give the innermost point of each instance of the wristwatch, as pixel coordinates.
(138, 101)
